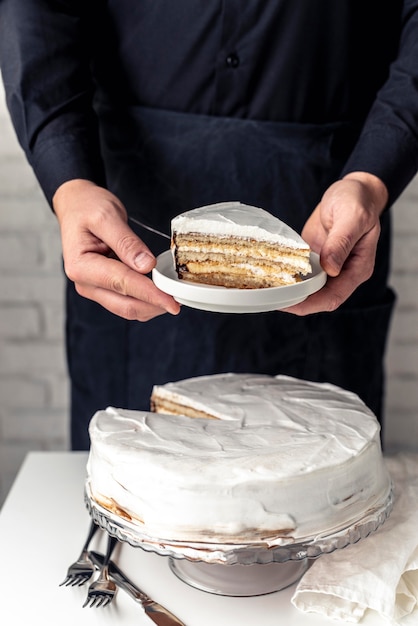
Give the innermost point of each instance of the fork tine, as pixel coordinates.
(82, 567)
(102, 590)
(71, 580)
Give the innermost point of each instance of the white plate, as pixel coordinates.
(226, 300)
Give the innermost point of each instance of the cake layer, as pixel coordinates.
(284, 460)
(235, 245)
(240, 276)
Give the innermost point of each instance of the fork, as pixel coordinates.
(83, 568)
(102, 591)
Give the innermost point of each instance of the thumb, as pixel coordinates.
(144, 261)
(332, 257)
(340, 241)
(129, 248)
(329, 239)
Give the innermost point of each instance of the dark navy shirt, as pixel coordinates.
(298, 61)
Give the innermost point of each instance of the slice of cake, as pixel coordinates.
(235, 245)
(280, 460)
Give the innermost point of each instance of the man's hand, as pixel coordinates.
(344, 230)
(104, 258)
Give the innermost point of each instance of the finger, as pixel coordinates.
(327, 299)
(352, 229)
(98, 272)
(124, 306)
(314, 232)
(124, 243)
(335, 291)
(356, 270)
(341, 248)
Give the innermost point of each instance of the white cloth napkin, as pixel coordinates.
(380, 573)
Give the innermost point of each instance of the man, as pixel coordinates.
(306, 108)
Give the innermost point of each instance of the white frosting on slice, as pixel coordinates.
(236, 219)
(286, 460)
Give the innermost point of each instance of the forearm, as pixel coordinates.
(45, 57)
(388, 144)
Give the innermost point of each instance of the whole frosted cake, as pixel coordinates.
(231, 244)
(261, 459)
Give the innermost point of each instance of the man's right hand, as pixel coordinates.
(105, 259)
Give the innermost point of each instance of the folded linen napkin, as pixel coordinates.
(379, 573)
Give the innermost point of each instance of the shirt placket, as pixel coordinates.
(228, 87)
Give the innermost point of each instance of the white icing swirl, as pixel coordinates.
(226, 219)
(285, 456)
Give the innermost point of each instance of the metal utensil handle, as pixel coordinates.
(92, 531)
(155, 611)
(120, 578)
(150, 228)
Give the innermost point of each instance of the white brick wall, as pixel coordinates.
(402, 356)
(33, 378)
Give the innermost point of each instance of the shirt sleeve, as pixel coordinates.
(388, 143)
(45, 65)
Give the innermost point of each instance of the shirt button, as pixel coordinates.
(232, 60)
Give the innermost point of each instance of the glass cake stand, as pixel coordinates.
(250, 569)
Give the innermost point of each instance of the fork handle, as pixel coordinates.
(111, 543)
(93, 529)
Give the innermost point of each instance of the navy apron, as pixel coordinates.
(161, 163)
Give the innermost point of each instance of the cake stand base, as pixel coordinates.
(238, 580)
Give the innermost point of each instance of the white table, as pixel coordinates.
(43, 525)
